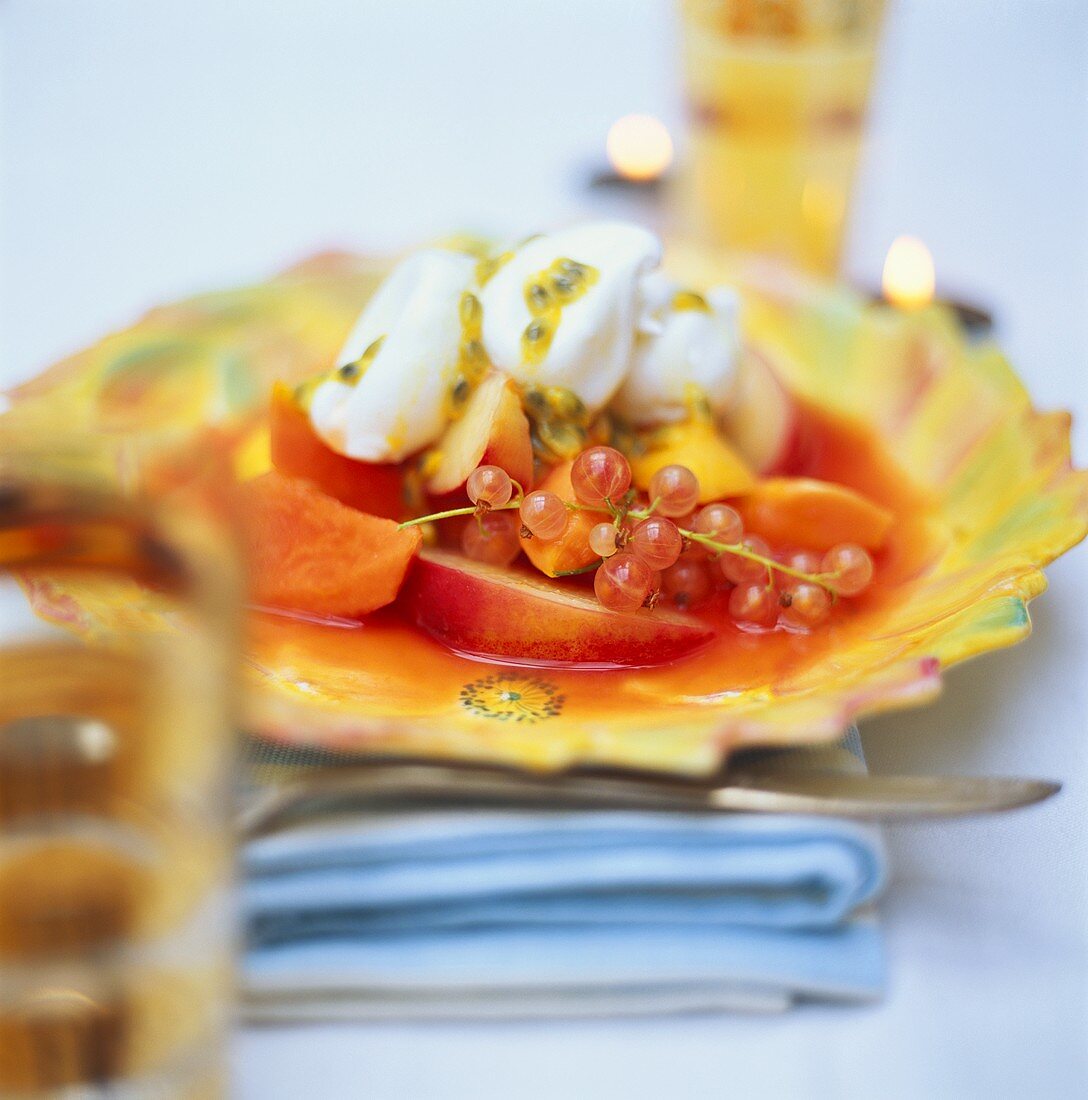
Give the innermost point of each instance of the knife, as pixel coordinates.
(381, 785)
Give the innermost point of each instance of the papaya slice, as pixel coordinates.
(298, 451)
(806, 513)
(308, 552)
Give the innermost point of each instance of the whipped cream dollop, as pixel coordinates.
(586, 334)
(691, 356)
(396, 403)
(583, 308)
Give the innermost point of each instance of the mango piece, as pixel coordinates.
(572, 551)
(697, 444)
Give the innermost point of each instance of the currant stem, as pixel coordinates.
(469, 511)
(645, 513)
(743, 552)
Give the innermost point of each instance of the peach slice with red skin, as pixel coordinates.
(492, 431)
(763, 421)
(814, 515)
(508, 615)
(571, 551)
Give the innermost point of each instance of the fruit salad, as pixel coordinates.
(556, 454)
(385, 621)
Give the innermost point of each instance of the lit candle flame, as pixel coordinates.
(639, 147)
(909, 280)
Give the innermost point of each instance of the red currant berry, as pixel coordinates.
(687, 583)
(805, 561)
(754, 603)
(623, 582)
(545, 515)
(809, 605)
(657, 541)
(492, 538)
(602, 540)
(489, 485)
(600, 474)
(720, 522)
(743, 570)
(675, 489)
(851, 568)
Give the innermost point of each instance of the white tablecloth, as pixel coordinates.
(154, 149)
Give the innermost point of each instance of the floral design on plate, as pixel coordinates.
(512, 698)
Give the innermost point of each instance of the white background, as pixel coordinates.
(151, 149)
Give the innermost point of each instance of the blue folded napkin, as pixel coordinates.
(479, 912)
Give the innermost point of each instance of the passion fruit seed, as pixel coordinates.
(690, 300)
(538, 298)
(350, 373)
(560, 438)
(474, 361)
(566, 404)
(546, 293)
(534, 402)
(461, 390)
(537, 330)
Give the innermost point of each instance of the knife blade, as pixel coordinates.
(377, 786)
(884, 796)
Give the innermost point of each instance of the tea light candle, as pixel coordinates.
(639, 147)
(640, 152)
(909, 282)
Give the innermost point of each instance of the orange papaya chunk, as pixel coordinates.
(814, 515)
(308, 552)
(298, 451)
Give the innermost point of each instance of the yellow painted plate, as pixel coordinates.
(984, 487)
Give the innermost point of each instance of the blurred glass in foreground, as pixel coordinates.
(116, 923)
(777, 93)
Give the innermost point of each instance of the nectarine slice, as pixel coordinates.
(297, 451)
(814, 515)
(506, 615)
(308, 552)
(763, 420)
(696, 444)
(571, 552)
(492, 431)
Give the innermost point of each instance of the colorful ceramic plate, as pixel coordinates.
(938, 429)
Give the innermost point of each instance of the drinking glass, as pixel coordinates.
(116, 923)
(777, 92)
